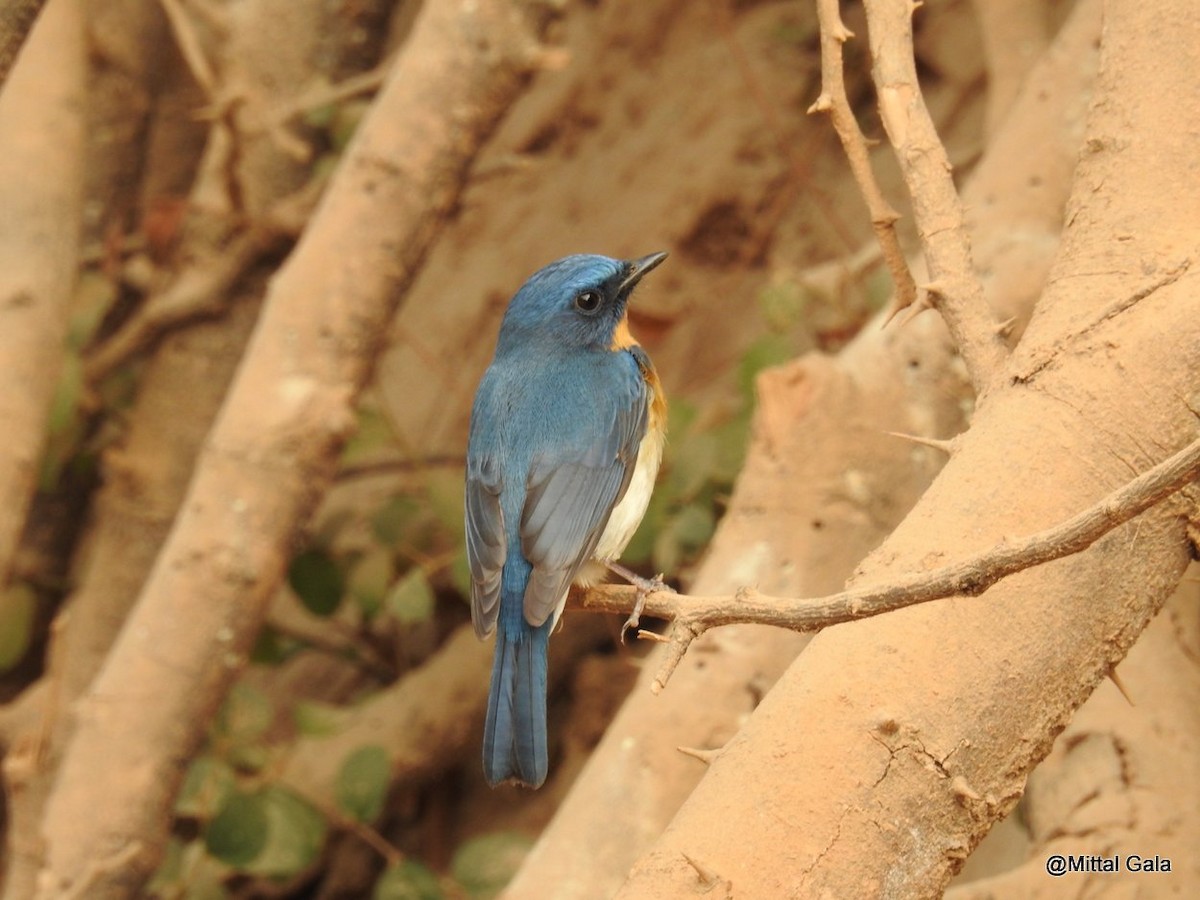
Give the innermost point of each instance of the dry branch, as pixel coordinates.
(954, 289)
(692, 616)
(261, 472)
(834, 101)
(203, 290)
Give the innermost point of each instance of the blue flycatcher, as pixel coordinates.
(567, 433)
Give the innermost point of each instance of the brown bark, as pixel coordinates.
(258, 476)
(821, 421)
(900, 770)
(41, 194)
(1089, 796)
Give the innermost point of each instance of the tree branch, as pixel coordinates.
(266, 463)
(972, 576)
(954, 289)
(834, 101)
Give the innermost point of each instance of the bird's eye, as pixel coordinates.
(587, 301)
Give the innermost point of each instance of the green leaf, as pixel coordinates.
(373, 434)
(686, 534)
(208, 784)
(270, 832)
(363, 782)
(878, 288)
(245, 715)
(318, 719)
(238, 833)
(188, 873)
(369, 579)
(460, 572)
(783, 305)
(203, 875)
(693, 465)
(694, 526)
(317, 581)
(407, 880)
(273, 647)
(444, 490)
(484, 865)
(680, 416)
(18, 609)
(169, 873)
(411, 600)
(66, 395)
(295, 834)
(94, 297)
(391, 519)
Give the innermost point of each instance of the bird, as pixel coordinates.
(566, 437)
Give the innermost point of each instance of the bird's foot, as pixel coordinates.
(644, 586)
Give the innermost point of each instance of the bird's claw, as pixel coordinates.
(644, 587)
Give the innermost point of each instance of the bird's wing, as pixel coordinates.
(572, 488)
(486, 543)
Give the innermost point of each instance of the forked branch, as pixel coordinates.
(692, 616)
(954, 289)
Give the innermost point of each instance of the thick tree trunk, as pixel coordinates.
(921, 727)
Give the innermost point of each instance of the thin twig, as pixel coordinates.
(190, 46)
(954, 289)
(202, 289)
(968, 577)
(328, 95)
(834, 101)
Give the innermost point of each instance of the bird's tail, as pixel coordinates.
(514, 735)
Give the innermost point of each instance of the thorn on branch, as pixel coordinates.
(644, 635)
(682, 635)
(823, 103)
(915, 309)
(945, 446)
(707, 875)
(963, 791)
(1120, 685)
(708, 757)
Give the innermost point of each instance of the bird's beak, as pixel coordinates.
(636, 268)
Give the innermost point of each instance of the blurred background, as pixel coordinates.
(345, 761)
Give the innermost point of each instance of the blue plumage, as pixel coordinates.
(555, 434)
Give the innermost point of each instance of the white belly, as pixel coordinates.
(627, 515)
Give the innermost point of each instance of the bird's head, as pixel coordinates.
(577, 301)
